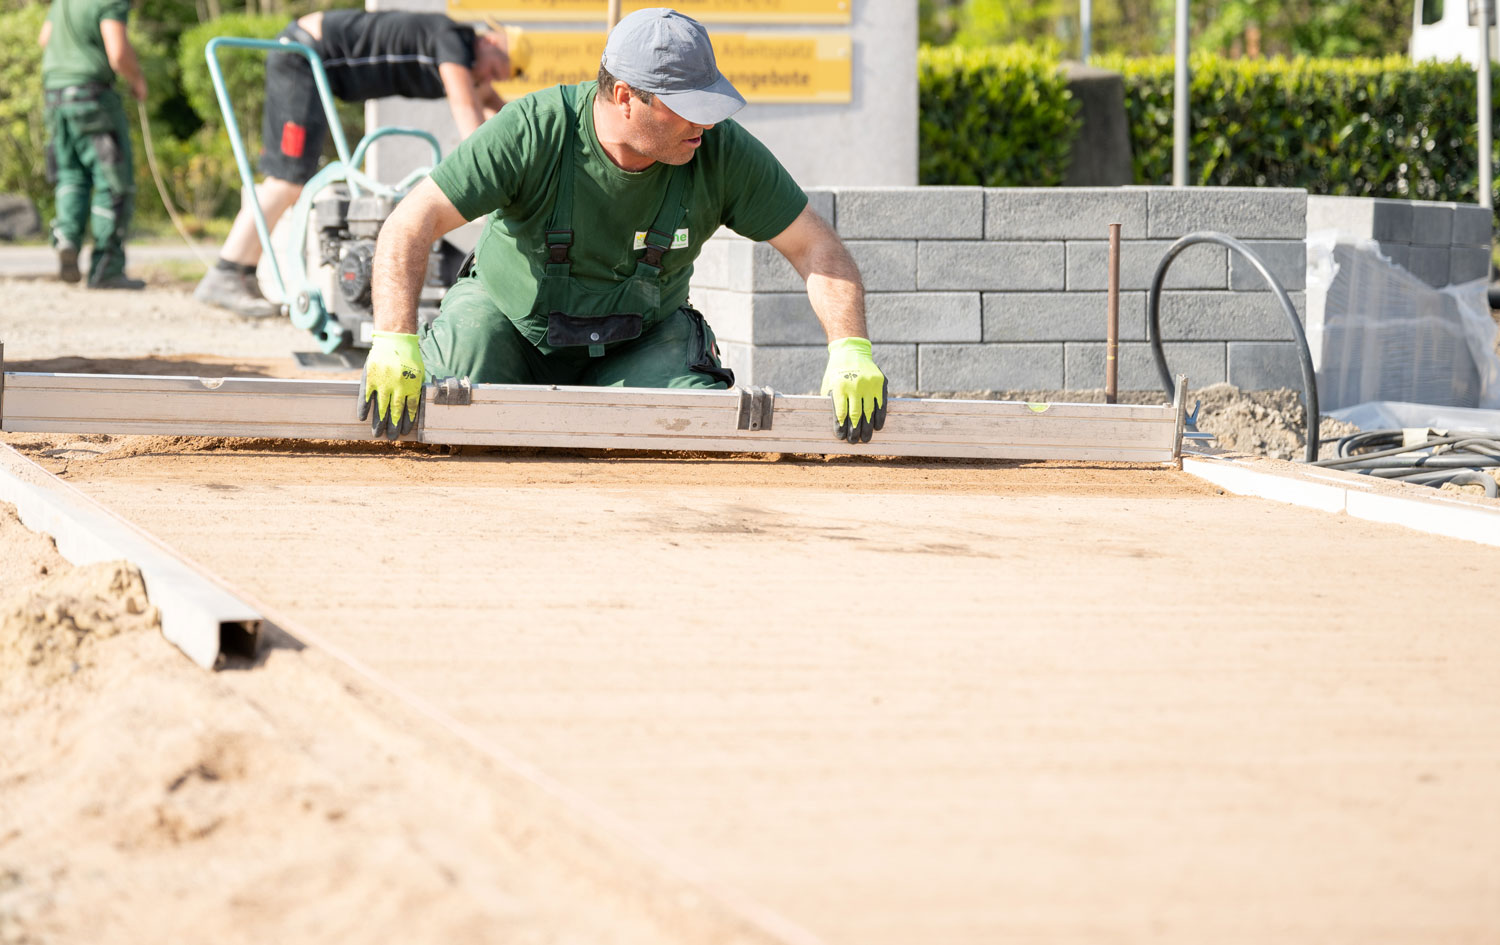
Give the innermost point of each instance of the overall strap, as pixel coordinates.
(673, 210)
(559, 232)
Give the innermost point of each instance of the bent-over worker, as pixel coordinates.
(365, 55)
(88, 157)
(600, 196)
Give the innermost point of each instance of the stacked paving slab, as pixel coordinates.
(1440, 243)
(973, 289)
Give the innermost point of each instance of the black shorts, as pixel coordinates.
(294, 126)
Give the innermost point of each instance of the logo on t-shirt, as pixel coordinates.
(679, 239)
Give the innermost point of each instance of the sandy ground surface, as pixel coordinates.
(929, 702)
(628, 698)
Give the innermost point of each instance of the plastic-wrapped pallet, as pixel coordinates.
(1377, 332)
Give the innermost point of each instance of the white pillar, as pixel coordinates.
(1181, 133)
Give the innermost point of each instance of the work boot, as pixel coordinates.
(67, 263)
(236, 290)
(120, 281)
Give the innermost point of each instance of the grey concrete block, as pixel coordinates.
(951, 213)
(1060, 316)
(1287, 260)
(1223, 316)
(1062, 213)
(1431, 223)
(1264, 365)
(711, 268)
(923, 316)
(1467, 263)
(762, 318)
(1472, 225)
(885, 265)
(1244, 212)
(1197, 267)
(799, 369)
(1431, 264)
(990, 367)
(1201, 361)
(1398, 253)
(1354, 218)
(998, 266)
(822, 200)
(728, 312)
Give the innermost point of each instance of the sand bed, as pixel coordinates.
(911, 702)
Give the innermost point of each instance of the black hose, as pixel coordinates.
(1304, 354)
(1457, 457)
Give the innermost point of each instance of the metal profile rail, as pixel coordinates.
(754, 420)
(197, 614)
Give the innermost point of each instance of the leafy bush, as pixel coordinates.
(1357, 127)
(23, 132)
(998, 116)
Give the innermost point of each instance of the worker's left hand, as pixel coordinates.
(857, 387)
(392, 382)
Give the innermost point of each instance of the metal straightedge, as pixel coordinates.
(455, 412)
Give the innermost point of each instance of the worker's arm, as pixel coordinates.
(122, 56)
(857, 386)
(392, 380)
(45, 34)
(458, 86)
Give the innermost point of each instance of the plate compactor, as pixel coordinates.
(324, 270)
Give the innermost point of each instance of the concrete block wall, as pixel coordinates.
(971, 288)
(1439, 243)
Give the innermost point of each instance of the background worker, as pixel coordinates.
(366, 55)
(600, 197)
(88, 148)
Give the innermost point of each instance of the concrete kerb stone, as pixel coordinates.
(1242, 212)
(990, 366)
(972, 265)
(1263, 365)
(1376, 218)
(1431, 223)
(1227, 316)
(924, 316)
(1202, 362)
(886, 213)
(1199, 267)
(1472, 226)
(1060, 316)
(1065, 213)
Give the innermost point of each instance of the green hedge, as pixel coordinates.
(1357, 127)
(1360, 127)
(998, 116)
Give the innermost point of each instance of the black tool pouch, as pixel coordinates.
(564, 330)
(705, 350)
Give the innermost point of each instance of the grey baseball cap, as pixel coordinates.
(660, 51)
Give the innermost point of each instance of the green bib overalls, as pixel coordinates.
(578, 333)
(89, 162)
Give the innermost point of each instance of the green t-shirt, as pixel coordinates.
(75, 51)
(508, 169)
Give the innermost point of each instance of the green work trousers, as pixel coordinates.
(472, 338)
(89, 161)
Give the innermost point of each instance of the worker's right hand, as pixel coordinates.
(138, 88)
(857, 387)
(392, 382)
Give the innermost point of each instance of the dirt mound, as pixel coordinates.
(50, 633)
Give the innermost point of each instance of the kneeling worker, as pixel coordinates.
(366, 55)
(600, 196)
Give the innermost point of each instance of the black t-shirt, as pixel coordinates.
(373, 55)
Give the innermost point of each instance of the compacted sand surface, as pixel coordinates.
(909, 701)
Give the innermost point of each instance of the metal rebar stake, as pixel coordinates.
(1112, 331)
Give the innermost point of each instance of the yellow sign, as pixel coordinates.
(765, 67)
(709, 11)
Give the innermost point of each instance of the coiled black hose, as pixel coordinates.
(1459, 458)
(1153, 325)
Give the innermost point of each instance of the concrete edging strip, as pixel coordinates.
(197, 614)
(1356, 496)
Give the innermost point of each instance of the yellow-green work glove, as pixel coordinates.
(392, 382)
(857, 387)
